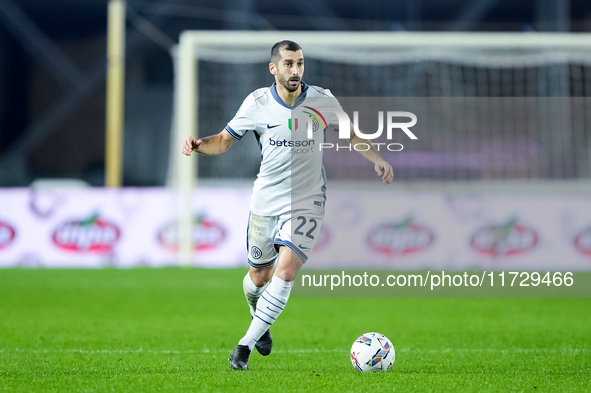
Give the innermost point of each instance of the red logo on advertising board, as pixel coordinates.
(7, 234)
(94, 234)
(402, 238)
(507, 239)
(583, 241)
(207, 234)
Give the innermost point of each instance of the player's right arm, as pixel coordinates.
(209, 146)
(234, 131)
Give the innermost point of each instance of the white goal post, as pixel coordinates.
(254, 46)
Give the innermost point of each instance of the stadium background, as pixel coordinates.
(53, 57)
(52, 138)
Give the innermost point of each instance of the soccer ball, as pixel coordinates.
(372, 352)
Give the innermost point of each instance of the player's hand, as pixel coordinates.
(191, 144)
(385, 170)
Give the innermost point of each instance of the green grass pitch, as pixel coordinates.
(144, 330)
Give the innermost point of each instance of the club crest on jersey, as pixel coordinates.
(292, 124)
(315, 122)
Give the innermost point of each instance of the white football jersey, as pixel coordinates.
(291, 175)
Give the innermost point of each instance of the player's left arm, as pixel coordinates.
(383, 169)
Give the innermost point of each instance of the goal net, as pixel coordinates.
(215, 71)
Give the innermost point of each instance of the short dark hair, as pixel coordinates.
(287, 45)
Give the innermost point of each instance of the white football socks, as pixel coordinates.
(268, 308)
(252, 292)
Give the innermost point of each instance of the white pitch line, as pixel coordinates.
(297, 351)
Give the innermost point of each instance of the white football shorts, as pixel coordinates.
(297, 229)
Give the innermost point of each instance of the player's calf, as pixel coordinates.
(269, 306)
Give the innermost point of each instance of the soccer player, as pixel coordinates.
(287, 204)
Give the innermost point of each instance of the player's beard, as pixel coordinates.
(285, 83)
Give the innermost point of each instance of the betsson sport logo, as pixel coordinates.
(207, 234)
(582, 241)
(506, 239)
(93, 234)
(400, 238)
(7, 235)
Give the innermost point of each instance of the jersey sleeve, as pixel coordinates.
(331, 118)
(244, 119)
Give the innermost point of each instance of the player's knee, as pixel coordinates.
(260, 281)
(260, 277)
(286, 274)
(288, 266)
